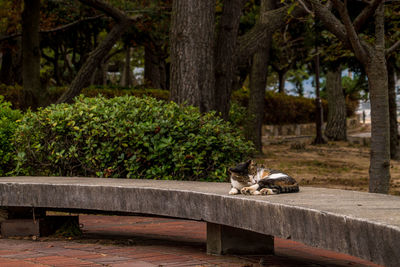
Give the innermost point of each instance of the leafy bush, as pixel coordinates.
(13, 94)
(282, 108)
(8, 124)
(237, 114)
(127, 137)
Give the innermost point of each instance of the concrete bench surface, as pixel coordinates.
(361, 224)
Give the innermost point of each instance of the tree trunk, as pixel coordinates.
(155, 73)
(82, 79)
(192, 63)
(376, 69)
(281, 75)
(6, 66)
(394, 134)
(126, 77)
(33, 95)
(258, 82)
(56, 67)
(336, 124)
(224, 54)
(99, 76)
(318, 105)
(379, 171)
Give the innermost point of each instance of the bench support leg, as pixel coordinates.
(223, 239)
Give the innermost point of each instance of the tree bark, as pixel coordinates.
(336, 123)
(394, 134)
(258, 81)
(32, 93)
(376, 69)
(6, 66)
(379, 171)
(319, 139)
(225, 53)
(155, 70)
(192, 51)
(99, 76)
(281, 76)
(126, 77)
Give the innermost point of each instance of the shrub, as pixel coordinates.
(13, 93)
(127, 137)
(237, 114)
(8, 124)
(282, 108)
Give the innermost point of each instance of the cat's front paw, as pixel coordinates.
(233, 191)
(247, 191)
(268, 191)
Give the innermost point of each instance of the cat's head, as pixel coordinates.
(243, 171)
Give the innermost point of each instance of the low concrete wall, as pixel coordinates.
(360, 224)
(300, 129)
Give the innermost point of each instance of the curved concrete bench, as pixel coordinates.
(360, 224)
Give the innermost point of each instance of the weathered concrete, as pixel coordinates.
(360, 224)
(44, 226)
(222, 239)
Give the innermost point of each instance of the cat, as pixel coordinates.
(248, 178)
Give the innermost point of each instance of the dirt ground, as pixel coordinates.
(334, 165)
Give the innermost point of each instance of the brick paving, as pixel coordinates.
(134, 241)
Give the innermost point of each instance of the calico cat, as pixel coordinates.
(249, 178)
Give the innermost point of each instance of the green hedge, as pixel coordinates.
(282, 108)
(8, 124)
(279, 108)
(13, 94)
(127, 137)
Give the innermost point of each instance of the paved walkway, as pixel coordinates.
(153, 242)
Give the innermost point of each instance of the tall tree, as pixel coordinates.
(319, 139)
(394, 132)
(336, 123)
(258, 82)
(192, 53)
(372, 56)
(127, 76)
(225, 48)
(32, 91)
(155, 68)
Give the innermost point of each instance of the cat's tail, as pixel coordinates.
(292, 188)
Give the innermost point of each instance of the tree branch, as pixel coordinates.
(329, 20)
(10, 37)
(72, 24)
(365, 14)
(353, 37)
(393, 48)
(306, 8)
(269, 22)
(380, 27)
(60, 28)
(108, 9)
